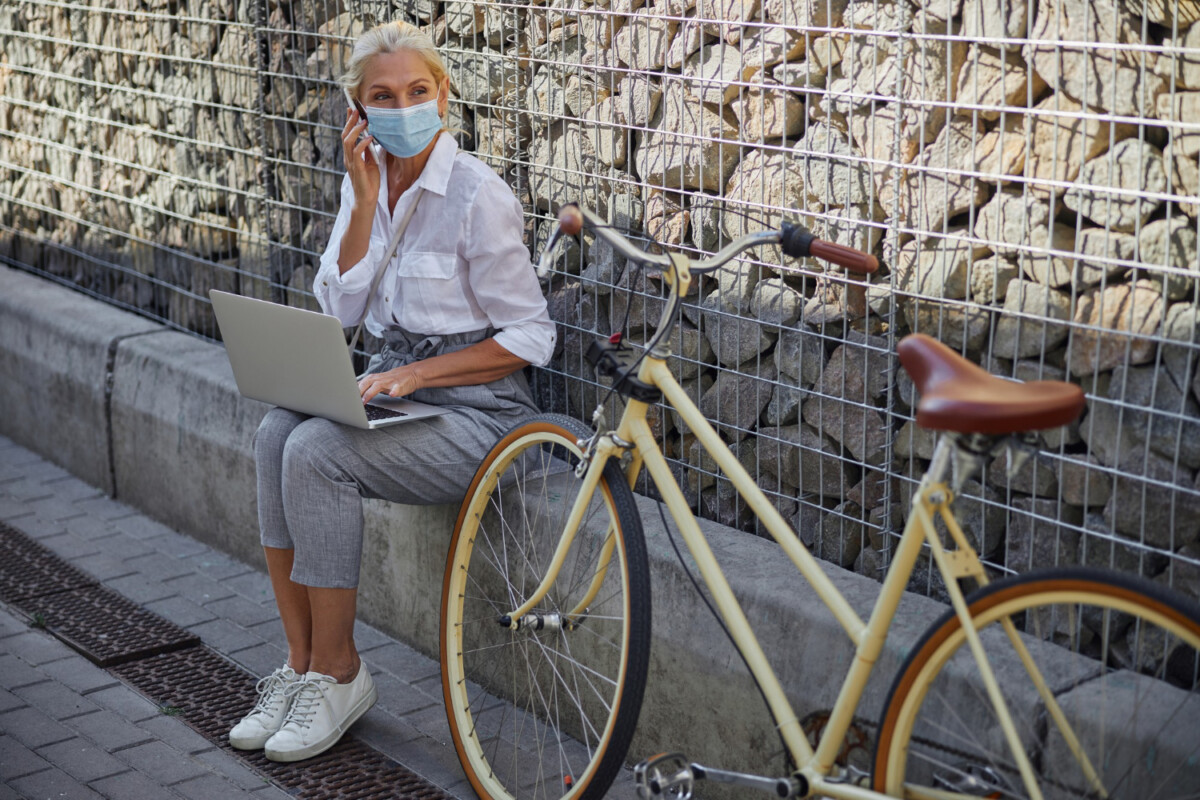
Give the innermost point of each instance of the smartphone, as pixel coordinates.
(362, 112)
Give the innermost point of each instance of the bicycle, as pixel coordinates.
(546, 600)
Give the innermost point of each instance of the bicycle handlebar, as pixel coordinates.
(794, 239)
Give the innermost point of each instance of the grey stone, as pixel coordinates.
(1158, 412)
(737, 398)
(1040, 534)
(1061, 138)
(1167, 249)
(841, 535)
(1153, 501)
(1182, 325)
(807, 460)
(1023, 329)
(734, 339)
(1082, 481)
(1116, 325)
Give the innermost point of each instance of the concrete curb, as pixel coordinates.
(154, 416)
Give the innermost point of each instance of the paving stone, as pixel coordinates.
(8, 793)
(254, 586)
(224, 636)
(56, 700)
(27, 490)
(368, 638)
(200, 589)
(240, 610)
(209, 787)
(16, 759)
(181, 611)
(13, 511)
(70, 546)
(405, 662)
(53, 783)
(55, 508)
(107, 508)
(109, 731)
(434, 761)
(92, 528)
(131, 785)
(104, 567)
(142, 527)
(73, 489)
(38, 528)
(401, 698)
(82, 760)
(44, 471)
(270, 631)
(33, 728)
(160, 762)
(9, 701)
(261, 660)
(161, 567)
(176, 733)
(127, 703)
(36, 647)
(79, 674)
(231, 769)
(10, 625)
(16, 672)
(140, 588)
(432, 722)
(176, 545)
(218, 565)
(119, 545)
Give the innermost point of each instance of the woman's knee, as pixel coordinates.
(273, 432)
(314, 447)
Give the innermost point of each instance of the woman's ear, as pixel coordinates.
(444, 96)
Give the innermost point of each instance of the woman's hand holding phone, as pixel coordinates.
(360, 161)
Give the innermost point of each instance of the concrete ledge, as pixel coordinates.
(181, 452)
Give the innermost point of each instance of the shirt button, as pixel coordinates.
(387, 299)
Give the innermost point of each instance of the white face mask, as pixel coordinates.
(404, 132)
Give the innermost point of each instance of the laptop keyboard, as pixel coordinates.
(379, 412)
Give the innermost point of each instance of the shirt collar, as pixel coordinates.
(436, 175)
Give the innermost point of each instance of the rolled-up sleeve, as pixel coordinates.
(344, 294)
(502, 277)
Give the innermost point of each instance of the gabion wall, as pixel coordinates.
(1026, 169)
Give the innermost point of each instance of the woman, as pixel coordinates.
(460, 313)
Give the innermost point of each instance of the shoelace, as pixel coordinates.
(271, 690)
(306, 695)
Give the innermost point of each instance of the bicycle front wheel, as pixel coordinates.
(1119, 715)
(547, 710)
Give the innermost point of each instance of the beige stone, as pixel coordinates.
(762, 174)
(990, 80)
(643, 41)
(1116, 188)
(1060, 136)
(607, 132)
(939, 267)
(1103, 255)
(666, 218)
(954, 323)
(691, 146)
(1116, 325)
(689, 37)
(994, 19)
(1120, 81)
(989, 279)
(936, 186)
(806, 13)
(834, 173)
(766, 113)
(1183, 62)
(1185, 183)
(714, 73)
(1184, 107)
(1026, 327)
(1168, 254)
(1166, 12)
(770, 46)
(725, 18)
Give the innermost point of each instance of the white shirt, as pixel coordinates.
(461, 265)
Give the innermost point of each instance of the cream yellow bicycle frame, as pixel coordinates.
(868, 637)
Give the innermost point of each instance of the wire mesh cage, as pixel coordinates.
(1027, 170)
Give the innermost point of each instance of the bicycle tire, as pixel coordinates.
(1122, 658)
(543, 713)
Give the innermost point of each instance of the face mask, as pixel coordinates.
(404, 132)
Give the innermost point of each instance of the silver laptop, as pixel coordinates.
(299, 360)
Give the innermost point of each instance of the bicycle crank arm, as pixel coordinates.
(780, 787)
(671, 775)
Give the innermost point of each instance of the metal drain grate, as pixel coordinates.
(170, 666)
(106, 627)
(29, 570)
(212, 694)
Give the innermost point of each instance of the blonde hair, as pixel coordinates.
(391, 37)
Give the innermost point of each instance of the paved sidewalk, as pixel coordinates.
(70, 729)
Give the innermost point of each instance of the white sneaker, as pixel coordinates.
(268, 714)
(321, 711)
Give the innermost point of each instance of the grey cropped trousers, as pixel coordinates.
(313, 473)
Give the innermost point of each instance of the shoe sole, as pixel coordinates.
(329, 741)
(257, 743)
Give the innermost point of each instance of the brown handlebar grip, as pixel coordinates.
(570, 219)
(844, 256)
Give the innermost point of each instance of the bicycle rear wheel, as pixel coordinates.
(1121, 658)
(546, 711)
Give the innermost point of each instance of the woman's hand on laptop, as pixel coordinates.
(398, 382)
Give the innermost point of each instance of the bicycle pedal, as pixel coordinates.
(664, 775)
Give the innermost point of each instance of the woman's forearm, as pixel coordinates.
(356, 240)
(483, 362)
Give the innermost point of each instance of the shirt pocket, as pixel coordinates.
(427, 265)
